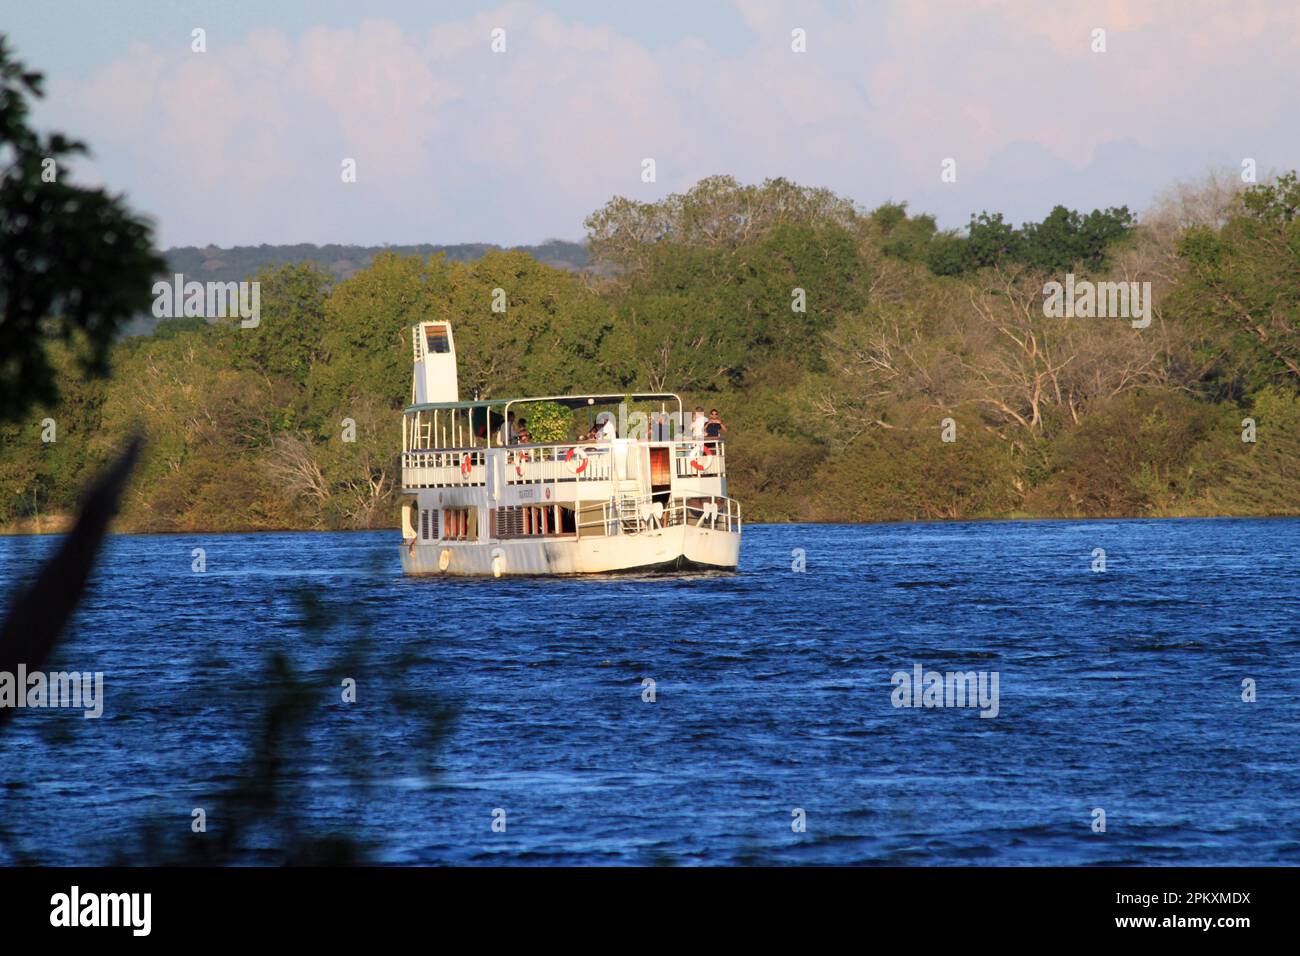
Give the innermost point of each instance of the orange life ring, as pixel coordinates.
(465, 466)
(580, 455)
(702, 453)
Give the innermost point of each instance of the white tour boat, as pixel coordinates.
(643, 497)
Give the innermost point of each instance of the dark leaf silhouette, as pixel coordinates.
(40, 612)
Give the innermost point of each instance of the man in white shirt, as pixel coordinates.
(506, 433)
(698, 421)
(607, 430)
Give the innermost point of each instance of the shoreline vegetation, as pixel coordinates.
(62, 524)
(870, 366)
(42, 524)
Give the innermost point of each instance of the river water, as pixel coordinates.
(705, 719)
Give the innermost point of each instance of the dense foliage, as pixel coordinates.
(1063, 240)
(842, 346)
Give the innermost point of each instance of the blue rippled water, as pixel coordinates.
(1119, 690)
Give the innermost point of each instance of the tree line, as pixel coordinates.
(870, 367)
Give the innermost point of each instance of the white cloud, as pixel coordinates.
(453, 142)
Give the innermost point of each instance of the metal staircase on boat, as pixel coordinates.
(627, 511)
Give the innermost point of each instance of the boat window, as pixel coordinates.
(436, 340)
(526, 521)
(459, 524)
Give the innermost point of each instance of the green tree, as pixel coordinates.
(286, 342)
(543, 341)
(991, 241)
(906, 237)
(1062, 241)
(1241, 291)
(1134, 455)
(717, 212)
(548, 422)
(365, 346)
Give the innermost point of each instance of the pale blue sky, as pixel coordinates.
(78, 37)
(244, 143)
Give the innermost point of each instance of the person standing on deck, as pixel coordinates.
(714, 427)
(608, 432)
(659, 426)
(506, 433)
(698, 422)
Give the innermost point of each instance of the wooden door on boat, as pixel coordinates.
(660, 471)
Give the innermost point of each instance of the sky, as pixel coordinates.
(245, 143)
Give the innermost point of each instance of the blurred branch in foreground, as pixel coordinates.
(75, 264)
(39, 613)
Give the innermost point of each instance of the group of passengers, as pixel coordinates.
(703, 428)
(514, 432)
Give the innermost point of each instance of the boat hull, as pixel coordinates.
(679, 548)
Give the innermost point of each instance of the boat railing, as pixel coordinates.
(544, 464)
(524, 464)
(696, 459)
(444, 468)
(633, 514)
(547, 464)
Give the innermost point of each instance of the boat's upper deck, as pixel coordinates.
(643, 439)
(579, 446)
(493, 423)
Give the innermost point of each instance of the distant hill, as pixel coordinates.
(215, 264)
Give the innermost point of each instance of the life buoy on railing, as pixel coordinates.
(702, 457)
(466, 463)
(576, 460)
(520, 459)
